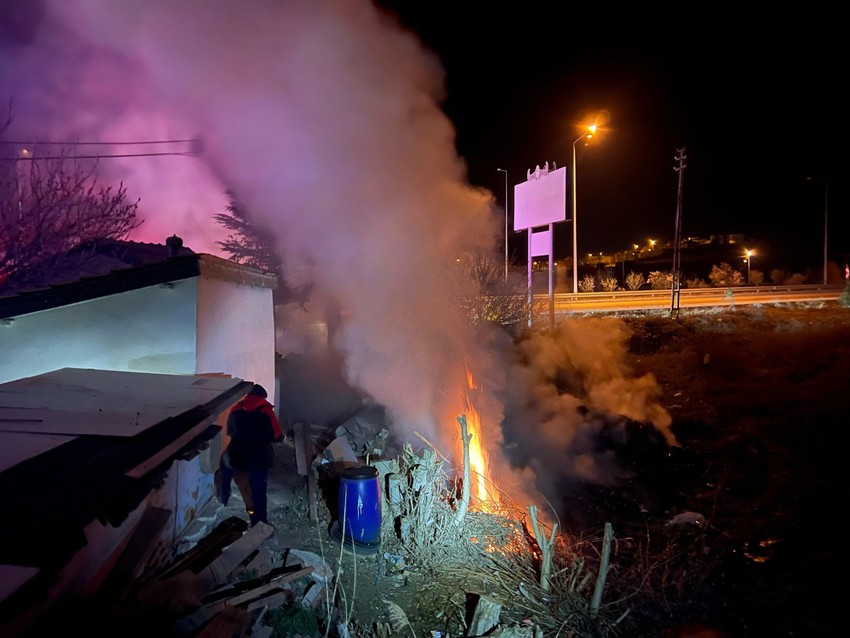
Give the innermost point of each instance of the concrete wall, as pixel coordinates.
(193, 326)
(148, 330)
(235, 331)
(235, 336)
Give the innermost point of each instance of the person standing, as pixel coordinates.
(253, 428)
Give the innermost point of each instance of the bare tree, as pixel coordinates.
(492, 297)
(51, 209)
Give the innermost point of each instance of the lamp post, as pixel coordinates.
(586, 135)
(749, 254)
(502, 170)
(825, 216)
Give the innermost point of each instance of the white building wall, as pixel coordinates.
(193, 326)
(235, 336)
(147, 330)
(236, 332)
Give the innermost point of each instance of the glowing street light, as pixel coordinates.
(590, 130)
(502, 170)
(749, 258)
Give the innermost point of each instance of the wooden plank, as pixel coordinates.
(138, 551)
(264, 590)
(17, 447)
(261, 562)
(312, 495)
(217, 572)
(160, 457)
(272, 601)
(74, 401)
(238, 588)
(299, 433)
(208, 548)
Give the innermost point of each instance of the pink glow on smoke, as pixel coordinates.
(325, 118)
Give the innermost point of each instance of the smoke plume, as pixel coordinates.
(325, 119)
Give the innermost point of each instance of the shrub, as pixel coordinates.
(659, 280)
(724, 276)
(635, 280)
(777, 275)
(587, 283)
(696, 283)
(795, 280)
(608, 283)
(756, 277)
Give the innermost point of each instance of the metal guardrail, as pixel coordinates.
(691, 297)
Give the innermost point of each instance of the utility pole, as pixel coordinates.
(677, 236)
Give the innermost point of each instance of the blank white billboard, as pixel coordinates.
(541, 200)
(541, 243)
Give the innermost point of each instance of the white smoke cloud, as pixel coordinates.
(567, 387)
(325, 119)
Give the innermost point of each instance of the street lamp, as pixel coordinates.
(825, 215)
(586, 135)
(506, 220)
(749, 254)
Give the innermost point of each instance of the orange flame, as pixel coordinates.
(477, 454)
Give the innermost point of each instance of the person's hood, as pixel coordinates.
(252, 402)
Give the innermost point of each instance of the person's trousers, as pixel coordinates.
(252, 484)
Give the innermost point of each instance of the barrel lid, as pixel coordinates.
(360, 472)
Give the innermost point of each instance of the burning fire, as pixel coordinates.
(477, 455)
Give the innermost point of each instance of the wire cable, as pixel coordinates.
(77, 157)
(139, 143)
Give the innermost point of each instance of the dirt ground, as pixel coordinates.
(759, 399)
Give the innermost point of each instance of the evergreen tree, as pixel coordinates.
(253, 244)
(249, 243)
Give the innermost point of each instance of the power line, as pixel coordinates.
(138, 143)
(76, 157)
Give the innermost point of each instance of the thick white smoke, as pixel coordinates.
(325, 119)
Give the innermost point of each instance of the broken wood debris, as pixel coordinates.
(225, 586)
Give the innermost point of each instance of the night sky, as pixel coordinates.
(754, 97)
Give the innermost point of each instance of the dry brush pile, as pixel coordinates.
(475, 567)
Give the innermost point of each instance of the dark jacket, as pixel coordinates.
(252, 426)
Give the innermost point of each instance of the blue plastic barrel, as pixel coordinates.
(360, 505)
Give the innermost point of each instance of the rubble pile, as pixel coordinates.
(234, 582)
